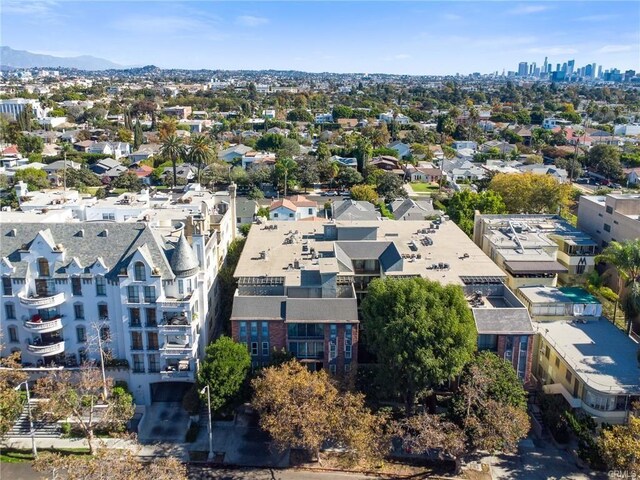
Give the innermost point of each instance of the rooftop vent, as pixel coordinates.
(80, 233)
(12, 232)
(104, 233)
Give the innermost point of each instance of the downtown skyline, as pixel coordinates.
(417, 38)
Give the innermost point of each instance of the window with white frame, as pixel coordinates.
(101, 286)
(265, 349)
(254, 348)
(139, 272)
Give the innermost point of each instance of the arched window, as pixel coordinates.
(139, 272)
(43, 267)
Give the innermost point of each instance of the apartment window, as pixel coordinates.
(557, 362)
(136, 340)
(309, 330)
(13, 334)
(311, 211)
(109, 216)
(81, 334)
(133, 294)
(265, 349)
(243, 330)
(265, 330)
(607, 227)
(134, 317)
(275, 215)
(254, 329)
(152, 319)
(488, 342)
(76, 286)
(138, 363)
(180, 287)
(154, 363)
(103, 311)
(101, 286)
(291, 215)
(149, 294)
(7, 288)
(43, 267)
(609, 210)
(547, 351)
(10, 311)
(332, 350)
(347, 341)
(152, 341)
(568, 376)
(78, 311)
(139, 272)
(332, 369)
(105, 333)
(254, 348)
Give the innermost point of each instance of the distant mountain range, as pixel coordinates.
(23, 59)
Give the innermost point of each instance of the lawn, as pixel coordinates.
(420, 187)
(19, 456)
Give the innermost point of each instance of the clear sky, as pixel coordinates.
(419, 37)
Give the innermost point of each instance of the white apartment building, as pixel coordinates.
(613, 217)
(12, 108)
(145, 290)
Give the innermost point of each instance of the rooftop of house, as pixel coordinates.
(354, 210)
(598, 351)
(441, 252)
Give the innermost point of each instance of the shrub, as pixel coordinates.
(609, 294)
(191, 400)
(192, 433)
(553, 409)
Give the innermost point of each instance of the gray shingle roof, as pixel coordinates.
(258, 308)
(318, 310)
(502, 321)
(354, 210)
(409, 209)
(183, 261)
(116, 247)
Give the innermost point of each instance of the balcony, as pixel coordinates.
(44, 326)
(42, 300)
(54, 348)
(170, 349)
(177, 324)
(170, 302)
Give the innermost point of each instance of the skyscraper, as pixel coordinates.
(570, 65)
(523, 69)
(544, 65)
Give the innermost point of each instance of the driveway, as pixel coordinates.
(163, 422)
(539, 461)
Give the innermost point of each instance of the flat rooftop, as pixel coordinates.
(599, 352)
(271, 249)
(557, 295)
(500, 314)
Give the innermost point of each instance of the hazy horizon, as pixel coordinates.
(414, 38)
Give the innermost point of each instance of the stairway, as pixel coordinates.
(21, 428)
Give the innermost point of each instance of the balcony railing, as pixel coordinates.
(47, 350)
(176, 374)
(169, 302)
(173, 349)
(44, 326)
(42, 301)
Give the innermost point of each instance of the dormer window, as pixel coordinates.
(43, 267)
(139, 272)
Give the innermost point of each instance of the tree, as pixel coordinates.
(173, 149)
(82, 177)
(625, 258)
(363, 150)
(531, 193)
(342, 111)
(285, 172)
(29, 144)
(200, 153)
(462, 206)
(224, 369)
(77, 397)
(605, 159)
(422, 333)
(349, 176)
(426, 432)
(36, 179)
(128, 181)
(620, 446)
(304, 409)
(364, 193)
(11, 375)
(124, 135)
(271, 142)
(109, 464)
(299, 115)
(307, 171)
(167, 129)
(24, 118)
(391, 187)
(288, 148)
(490, 404)
(137, 135)
(322, 152)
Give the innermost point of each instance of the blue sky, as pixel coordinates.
(419, 37)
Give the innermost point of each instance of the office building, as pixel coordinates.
(523, 69)
(13, 107)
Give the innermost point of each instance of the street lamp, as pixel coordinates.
(31, 430)
(206, 387)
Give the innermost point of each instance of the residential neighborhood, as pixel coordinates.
(370, 275)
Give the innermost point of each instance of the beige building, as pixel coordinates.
(608, 218)
(535, 249)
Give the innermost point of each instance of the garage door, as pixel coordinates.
(169, 391)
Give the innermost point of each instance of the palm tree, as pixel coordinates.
(201, 152)
(173, 148)
(285, 167)
(625, 258)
